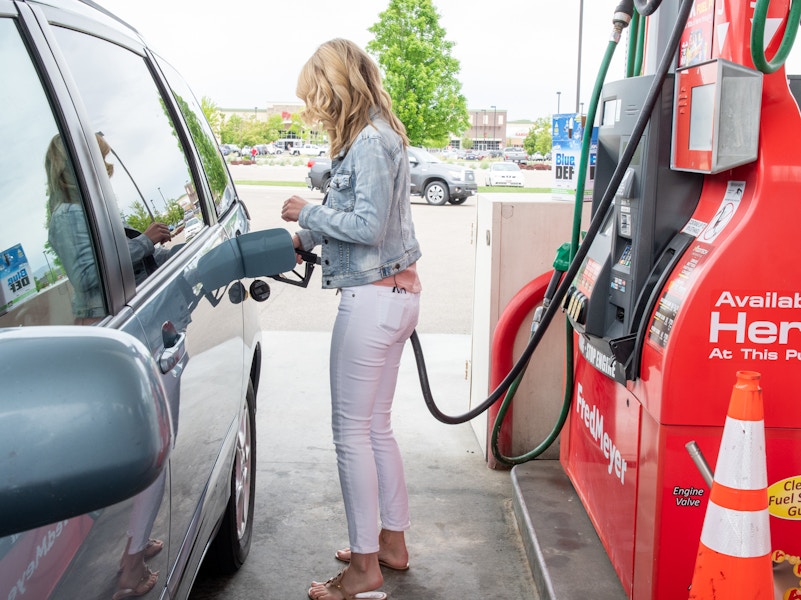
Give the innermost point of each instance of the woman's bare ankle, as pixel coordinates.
(393, 549)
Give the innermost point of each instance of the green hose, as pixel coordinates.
(579, 203)
(631, 58)
(758, 36)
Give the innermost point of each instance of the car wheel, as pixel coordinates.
(457, 200)
(231, 545)
(325, 185)
(436, 193)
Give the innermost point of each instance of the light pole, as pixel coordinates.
(484, 126)
(558, 101)
(133, 181)
(578, 67)
(494, 125)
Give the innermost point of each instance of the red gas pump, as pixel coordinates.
(693, 276)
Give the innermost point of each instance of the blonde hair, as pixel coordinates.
(61, 186)
(340, 84)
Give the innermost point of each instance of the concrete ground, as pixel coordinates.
(465, 541)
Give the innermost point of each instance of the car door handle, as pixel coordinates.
(174, 347)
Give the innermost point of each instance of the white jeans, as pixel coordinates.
(371, 328)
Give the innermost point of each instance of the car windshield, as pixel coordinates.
(423, 156)
(505, 167)
(192, 222)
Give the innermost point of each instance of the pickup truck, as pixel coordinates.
(515, 154)
(309, 150)
(434, 180)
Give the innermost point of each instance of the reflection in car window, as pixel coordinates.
(222, 189)
(152, 179)
(48, 270)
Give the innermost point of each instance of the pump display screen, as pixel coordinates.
(611, 114)
(702, 117)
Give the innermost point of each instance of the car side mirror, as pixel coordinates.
(84, 423)
(256, 254)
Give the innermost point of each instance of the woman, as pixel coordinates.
(369, 252)
(68, 234)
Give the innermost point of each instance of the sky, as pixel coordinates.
(517, 55)
(514, 54)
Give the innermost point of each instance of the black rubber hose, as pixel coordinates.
(592, 231)
(647, 8)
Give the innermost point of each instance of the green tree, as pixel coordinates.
(213, 115)
(420, 74)
(139, 218)
(232, 130)
(274, 128)
(174, 214)
(539, 138)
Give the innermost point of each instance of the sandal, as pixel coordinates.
(152, 548)
(340, 556)
(145, 585)
(336, 583)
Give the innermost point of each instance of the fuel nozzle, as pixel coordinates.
(621, 18)
(310, 259)
(560, 265)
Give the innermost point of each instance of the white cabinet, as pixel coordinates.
(516, 241)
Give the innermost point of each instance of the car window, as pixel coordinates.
(423, 156)
(151, 176)
(48, 267)
(222, 190)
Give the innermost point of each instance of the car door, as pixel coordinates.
(111, 96)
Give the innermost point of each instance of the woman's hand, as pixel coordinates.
(290, 211)
(296, 245)
(158, 232)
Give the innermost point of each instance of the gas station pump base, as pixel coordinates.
(564, 552)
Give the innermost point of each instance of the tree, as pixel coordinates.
(419, 72)
(213, 114)
(539, 138)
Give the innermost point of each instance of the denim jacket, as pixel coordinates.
(365, 226)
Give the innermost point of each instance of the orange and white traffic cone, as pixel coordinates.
(734, 553)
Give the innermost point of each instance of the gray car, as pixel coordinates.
(434, 180)
(130, 371)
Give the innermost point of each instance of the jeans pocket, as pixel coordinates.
(391, 311)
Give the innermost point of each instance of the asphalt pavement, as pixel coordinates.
(465, 541)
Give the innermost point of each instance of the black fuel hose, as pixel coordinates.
(592, 231)
(648, 7)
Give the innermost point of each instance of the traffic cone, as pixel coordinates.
(734, 553)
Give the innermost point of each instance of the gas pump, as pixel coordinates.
(692, 276)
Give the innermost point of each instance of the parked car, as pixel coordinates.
(227, 149)
(319, 176)
(267, 149)
(515, 154)
(505, 173)
(287, 144)
(129, 384)
(309, 150)
(434, 180)
(439, 182)
(192, 227)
